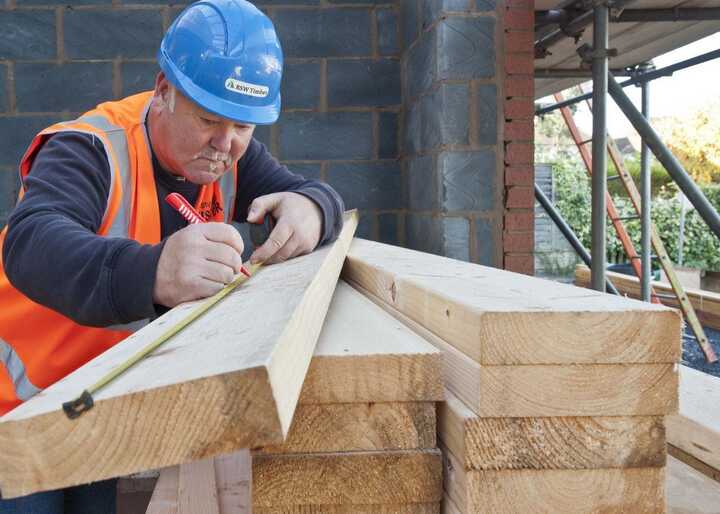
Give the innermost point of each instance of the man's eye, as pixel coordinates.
(208, 121)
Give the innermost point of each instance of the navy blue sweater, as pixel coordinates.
(53, 255)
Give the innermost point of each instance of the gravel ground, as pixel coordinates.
(693, 356)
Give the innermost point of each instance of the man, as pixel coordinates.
(92, 252)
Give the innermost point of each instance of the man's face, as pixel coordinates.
(192, 142)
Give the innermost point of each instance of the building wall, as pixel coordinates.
(409, 108)
(451, 154)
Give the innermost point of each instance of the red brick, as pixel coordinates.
(519, 108)
(519, 220)
(522, 175)
(520, 197)
(519, 19)
(519, 153)
(520, 263)
(518, 242)
(519, 41)
(519, 63)
(519, 85)
(519, 130)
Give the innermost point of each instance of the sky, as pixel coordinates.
(681, 93)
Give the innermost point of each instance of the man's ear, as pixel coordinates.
(162, 86)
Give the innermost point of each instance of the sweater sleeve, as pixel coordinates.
(259, 173)
(52, 253)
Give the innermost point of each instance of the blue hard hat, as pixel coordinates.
(226, 57)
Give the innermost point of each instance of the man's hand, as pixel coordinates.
(297, 228)
(197, 262)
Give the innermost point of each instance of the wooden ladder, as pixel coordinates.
(622, 234)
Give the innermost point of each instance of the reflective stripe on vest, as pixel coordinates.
(228, 187)
(24, 389)
(118, 139)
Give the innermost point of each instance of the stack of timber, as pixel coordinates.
(705, 303)
(556, 394)
(228, 381)
(363, 438)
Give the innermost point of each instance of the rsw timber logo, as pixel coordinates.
(245, 88)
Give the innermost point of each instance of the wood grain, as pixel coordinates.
(696, 428)
(354, 478)
(581, 390)
(359, 427)
(410, 508)
(580, 491)
(230, 380)
(233, 474)
(365, 355)
(500, 318)
(550, 442)
(197, 490)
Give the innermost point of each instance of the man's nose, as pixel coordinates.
(222, 137)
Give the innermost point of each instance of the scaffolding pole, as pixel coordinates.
(668, 160)
(645, 198)
(568, 233)
(637, 78)
(599, 144)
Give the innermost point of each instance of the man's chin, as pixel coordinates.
(204, 177)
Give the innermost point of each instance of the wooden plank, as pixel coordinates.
(500, 318)
(411, 508)
(552, 390)
(705, 303)
(462, 374)
(197, 490)
(354, 478)
(164, 498)
(233, 473)
(582, 390)
(550, 443)
(359, 427)
(693, 462)
(689, 491)
(364, 355)
(636, 490)
(224, 481)
(230, 380)
(696, 428)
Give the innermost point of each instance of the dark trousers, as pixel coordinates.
(95, 498)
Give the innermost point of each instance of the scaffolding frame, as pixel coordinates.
(604, 84)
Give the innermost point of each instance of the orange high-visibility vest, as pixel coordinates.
(39, 346)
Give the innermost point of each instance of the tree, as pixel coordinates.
(695, 141)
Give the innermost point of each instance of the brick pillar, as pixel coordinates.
(452, 151)
(518, 218)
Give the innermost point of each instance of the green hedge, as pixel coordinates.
(701, 249)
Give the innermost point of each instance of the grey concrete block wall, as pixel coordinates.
(451, 160)
(342, 97)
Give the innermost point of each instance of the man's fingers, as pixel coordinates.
(261, 206)
(218, 273)
(223, 233)
(224, 254)
(289, 250)
(277, 239)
